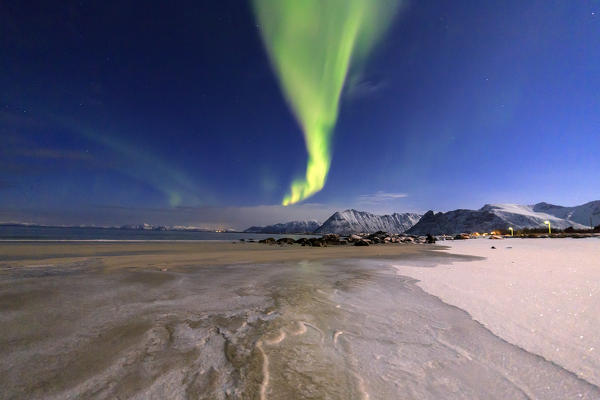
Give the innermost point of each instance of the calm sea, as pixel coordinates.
(75, 233)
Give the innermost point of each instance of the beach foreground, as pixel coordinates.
(250, 321)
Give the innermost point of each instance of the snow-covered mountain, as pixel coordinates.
(501, 216)
(524, 216)
(286, 227)
(587, 214)
(352, 221)
(457, 221)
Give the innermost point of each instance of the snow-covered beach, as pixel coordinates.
(540, 294)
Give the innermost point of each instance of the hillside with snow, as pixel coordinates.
(587, 214)
(524, 216)
(353, 221)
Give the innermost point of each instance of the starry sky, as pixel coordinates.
(171, 113)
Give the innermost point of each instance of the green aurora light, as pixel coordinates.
(312, 44)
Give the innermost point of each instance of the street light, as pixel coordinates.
(549, 228)
(512, 233)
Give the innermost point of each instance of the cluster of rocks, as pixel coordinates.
(333, 239)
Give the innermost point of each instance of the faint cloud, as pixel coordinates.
(359, 88)
(380, 197)
(56, 154)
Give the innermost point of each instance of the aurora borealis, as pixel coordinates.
(197, 112)
(312, 45)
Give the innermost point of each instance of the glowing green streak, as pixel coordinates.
(312, 44)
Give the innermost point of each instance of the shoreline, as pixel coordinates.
(170, 255)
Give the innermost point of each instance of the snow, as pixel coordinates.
(524, 216)
(540, 294)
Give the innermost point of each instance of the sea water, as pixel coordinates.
(18, 232)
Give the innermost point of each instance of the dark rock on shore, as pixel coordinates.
(286, 241)
(362, 239)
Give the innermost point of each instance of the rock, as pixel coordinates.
(331, 239)
(429, 239)
(286, 241)
(355, 237)
(496, 237)
(462, 236)
(493, 247)
(331, 236)
(268, 241)
(361, 242)
(317, 242)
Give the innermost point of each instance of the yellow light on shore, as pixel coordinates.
(512, 232)
(549, 227)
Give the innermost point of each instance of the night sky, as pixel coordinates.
(171, 113)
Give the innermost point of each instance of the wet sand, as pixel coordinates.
(116, 255)
(104, 321)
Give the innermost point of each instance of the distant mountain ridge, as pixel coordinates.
(353, 221)
(587, 214)
(130, 227)
(286, 227)
(502, 216)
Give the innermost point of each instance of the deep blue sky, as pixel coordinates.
(169, 112)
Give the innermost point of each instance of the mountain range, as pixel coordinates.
(488, 218)
(502, 216)
(286, 227)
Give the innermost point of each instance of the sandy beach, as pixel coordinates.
(163, 254)
(248, 321)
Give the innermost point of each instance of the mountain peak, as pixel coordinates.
(308, 226)
(355, 221)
